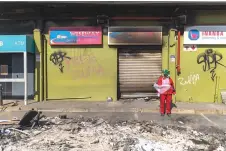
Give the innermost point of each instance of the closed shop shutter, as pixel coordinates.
(138, 71)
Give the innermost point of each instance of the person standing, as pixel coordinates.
(166, 95)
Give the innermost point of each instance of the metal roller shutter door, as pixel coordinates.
(138, 71)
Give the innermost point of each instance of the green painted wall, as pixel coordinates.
(194, 84)
(91, 73)
(88, 73)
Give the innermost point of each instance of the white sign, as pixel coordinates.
(37, 58)
(172, 58)
(190, 48)
(19, 43)
(205, 35)
(161, 88)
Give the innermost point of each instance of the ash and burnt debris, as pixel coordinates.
(96, 134)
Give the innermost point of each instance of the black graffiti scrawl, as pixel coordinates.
(57, 58)
(210, 59)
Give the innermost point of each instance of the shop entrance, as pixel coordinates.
(138, 70)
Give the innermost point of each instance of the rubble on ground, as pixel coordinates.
(95, 134)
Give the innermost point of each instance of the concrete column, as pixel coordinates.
(39, 65)
(165, 53)
(172, 53)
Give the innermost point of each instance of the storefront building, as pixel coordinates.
(126, 66)
(94, 62)
(202, 61)
(122, 57)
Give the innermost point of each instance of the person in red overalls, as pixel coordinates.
(166, 95)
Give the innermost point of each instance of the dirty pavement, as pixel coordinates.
(61, 133)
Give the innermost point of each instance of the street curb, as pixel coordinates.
(131, 110)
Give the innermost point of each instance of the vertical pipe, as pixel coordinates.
(25, 78)
(178, 54)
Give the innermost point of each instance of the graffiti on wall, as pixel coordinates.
(84, 64)
(192, 79)
(81, 63)
(210, 60)
(57, 58)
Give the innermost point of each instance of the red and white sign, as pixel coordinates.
(205, 35)
(75, 35)
(190, 48)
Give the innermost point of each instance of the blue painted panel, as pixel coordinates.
(30, 44)
(12, 43)
(16, 43)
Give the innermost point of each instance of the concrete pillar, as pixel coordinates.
(39, 65)
(165, 53)
(172, 58)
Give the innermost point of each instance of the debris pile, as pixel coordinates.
(95, 134)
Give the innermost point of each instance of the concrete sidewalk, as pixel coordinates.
(118, 106)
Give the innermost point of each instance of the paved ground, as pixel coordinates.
(195, 121)
(193, 114)
(120, 106)
(189, 122)
(188, 125)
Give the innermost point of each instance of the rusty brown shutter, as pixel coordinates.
(138, 71)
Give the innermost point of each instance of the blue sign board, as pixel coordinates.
(30, 44)
(16, 43)
(75, 36)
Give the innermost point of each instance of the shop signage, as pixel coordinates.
(75, 36)
(13, 43)
(190, 48)
(16, 43)
(205, 35)
(37, 56)
(142, 35)
(172, 58)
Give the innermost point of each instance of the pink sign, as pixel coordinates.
(75, 36)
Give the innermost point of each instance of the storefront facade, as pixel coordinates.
(80, 71)
(126, 67)
(95, 71)
(202, 61)
(139, 59)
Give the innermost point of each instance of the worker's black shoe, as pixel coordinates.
(162, 114)
(168, 114)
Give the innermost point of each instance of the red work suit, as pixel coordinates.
(166, 97)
